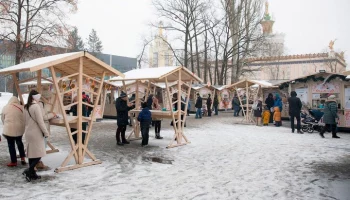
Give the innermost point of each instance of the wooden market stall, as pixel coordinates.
(183, 78)
(314, 89)
(224, 97)
(76, 67)
(252, 89)
(204, 90)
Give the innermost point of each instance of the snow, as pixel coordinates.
(224, 160)
(146, 73)
(43, 82)
(36, 62)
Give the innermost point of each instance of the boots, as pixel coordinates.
(27, 175)
(34, 176)
(41, 165)
(23, 161)
(158, 136)
(124, 141)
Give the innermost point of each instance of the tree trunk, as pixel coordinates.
(191, 55)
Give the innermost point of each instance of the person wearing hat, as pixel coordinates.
(330, 117)
(199, 106)
(294, 111)
(122, 107)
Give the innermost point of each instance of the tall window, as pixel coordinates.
(155, 59)
(167, 59)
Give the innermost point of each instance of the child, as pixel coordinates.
(145, 118)
(277, 116)
(266, 116)
(157, 121)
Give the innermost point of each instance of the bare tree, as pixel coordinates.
(26, 23)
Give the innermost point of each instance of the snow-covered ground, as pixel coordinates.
(224, 161)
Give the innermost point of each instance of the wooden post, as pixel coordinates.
(38, 86)
(15, 80)
(80, 112)
(60, 101)
(179, 121)
(247, 97)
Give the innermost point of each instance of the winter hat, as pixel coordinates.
(293, 94)
(331, 97)
(122, 95)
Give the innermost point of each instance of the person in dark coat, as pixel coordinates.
(216, 104)
(270, 102)
(330, 117)
(145, 118)
(122, 108)
(294, 111)
(199, 106)
(258, 111)
(236, 106)
(149, 106)
(209, 102)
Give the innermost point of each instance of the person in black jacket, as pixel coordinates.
(122, 108)
(269, 104)
(74, 110)
(216, 104)
(176, 108)
(145, 118)
(209, 101)
(198, 106)
(294, 111)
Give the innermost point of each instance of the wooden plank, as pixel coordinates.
(179, 127)
(176, 145)
(88, 134)
(60, 102)
(80, 112)
(38, 85)
(68, 76)
(68, 91)
(15, 80)
(91, 78)
(61, 169)
(56, 62)
(26, 80)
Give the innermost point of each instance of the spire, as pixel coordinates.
(267, 16)
(160, 29)
(267, 23)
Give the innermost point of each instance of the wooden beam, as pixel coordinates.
(38, 85)
(61, 169)
(26, 80)
(80, 112)
(67, 77)
(60, 102)
(15, 80)
(87, 137)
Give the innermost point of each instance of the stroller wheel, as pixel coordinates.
(310, 130)
(304, 128)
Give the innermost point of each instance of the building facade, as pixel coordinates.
(160, 54)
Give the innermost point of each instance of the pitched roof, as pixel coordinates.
(158, 74)
(66, 63)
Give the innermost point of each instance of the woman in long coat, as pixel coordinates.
(12, 118)
(35, 132)
(330, 117)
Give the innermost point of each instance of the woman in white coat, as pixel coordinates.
(35, 132)
(12, 118)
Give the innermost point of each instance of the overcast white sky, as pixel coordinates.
(309, 25)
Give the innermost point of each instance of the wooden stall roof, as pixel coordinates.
(159, 74)
(243, 84)
(34, 82)
(325, 74)
(65, 64)
(219, 87)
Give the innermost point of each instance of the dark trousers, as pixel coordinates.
(278, 123)
(292, 122)
(331, 128)
(144, 132)
(121, 132)
(12, 148)
(75, 136)
(271, 117)
(157, 126)
(209, 110)
(216, 110)
(32, 163)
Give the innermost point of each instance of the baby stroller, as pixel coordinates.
(312, 122)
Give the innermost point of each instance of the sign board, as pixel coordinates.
(326, 88)
(302, 94)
